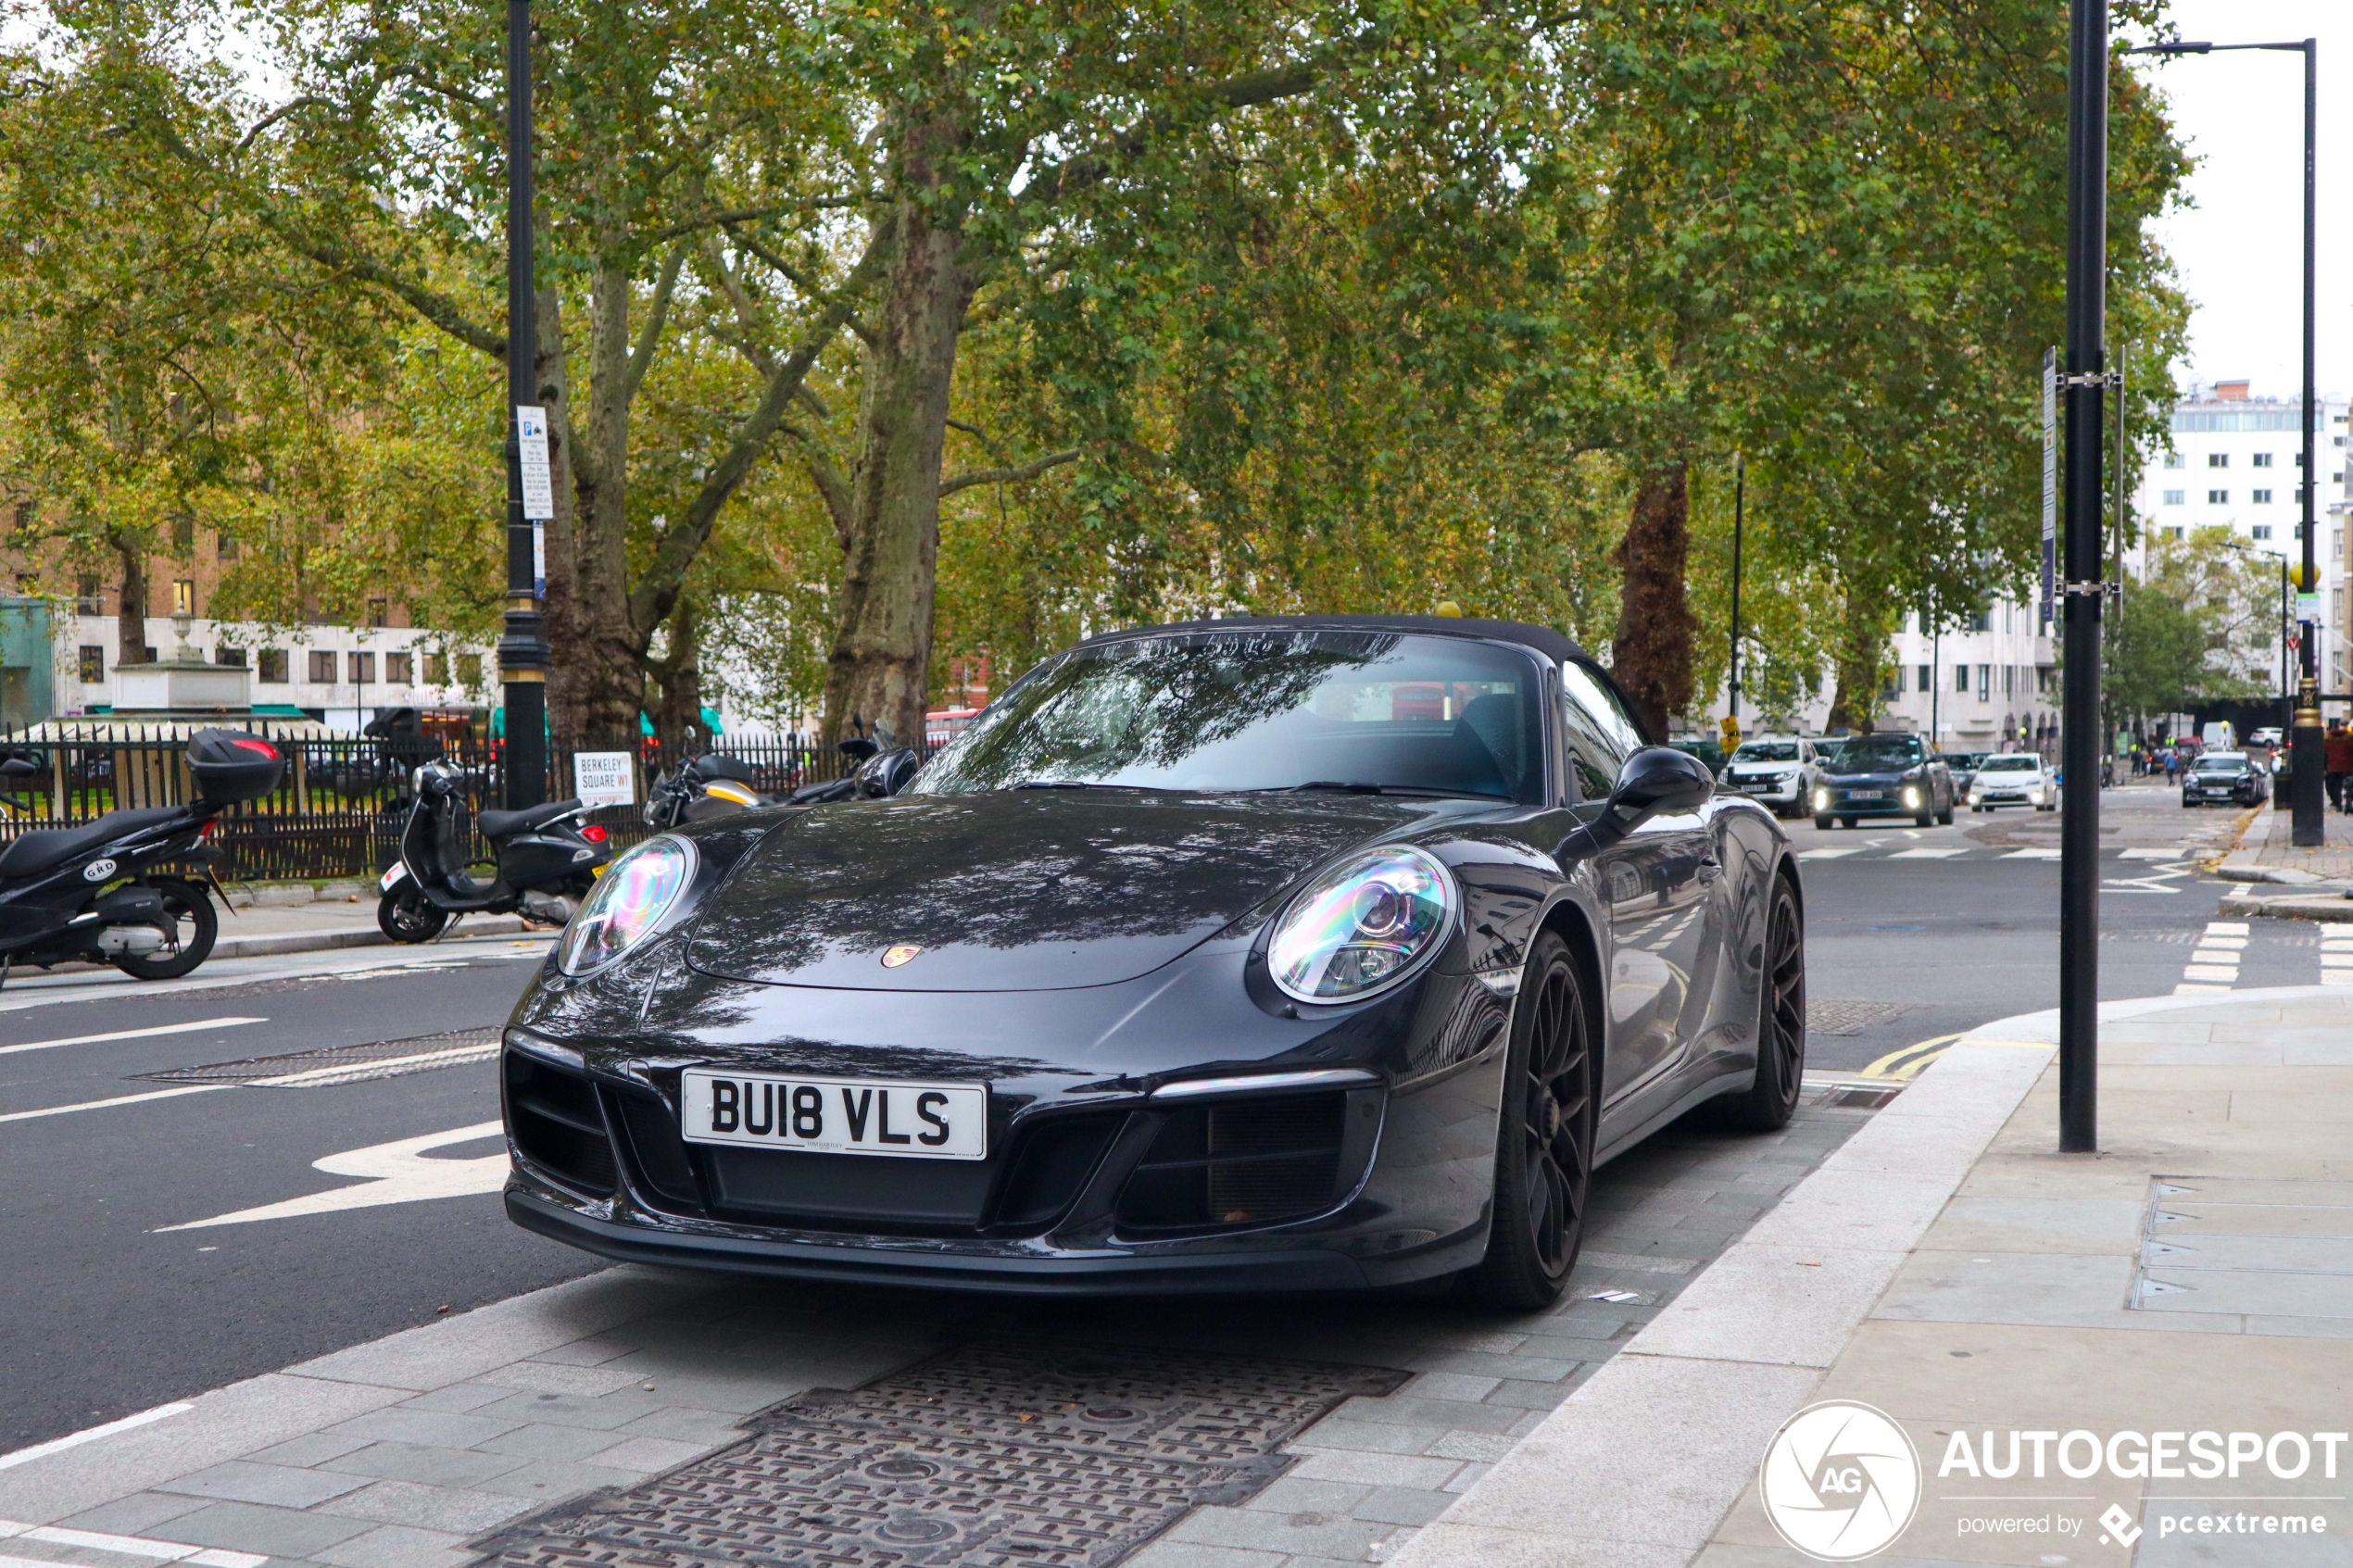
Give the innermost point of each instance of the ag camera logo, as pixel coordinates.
(1840, 1481)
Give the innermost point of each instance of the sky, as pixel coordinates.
(2239, 245)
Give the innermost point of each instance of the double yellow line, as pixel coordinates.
(1907, 1063)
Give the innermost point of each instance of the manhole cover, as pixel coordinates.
(986, 1456)
(1832, 1015)
(343, 1064)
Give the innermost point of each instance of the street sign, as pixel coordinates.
(1732, 728)
(2050, 479)
(604, 778)
(531, 436)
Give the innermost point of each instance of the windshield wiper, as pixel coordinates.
(1350, 787)
(1075, 784)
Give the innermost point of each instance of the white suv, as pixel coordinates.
(2013, 778)
(1776, 770)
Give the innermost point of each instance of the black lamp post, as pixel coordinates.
(2084, 382)
(522, 649)
(2304, 779)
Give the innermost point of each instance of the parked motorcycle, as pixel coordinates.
(547, 861)
(874, 771)
(91, 893)
(710, 786)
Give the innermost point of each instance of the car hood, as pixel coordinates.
(1017, 890)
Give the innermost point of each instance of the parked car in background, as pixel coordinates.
(2225, 778)
(1884, 775)
(2270, 735)
(1963, 766)
(2013, 778)
(1779, 771)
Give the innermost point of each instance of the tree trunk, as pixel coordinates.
(882, 652)
(131, 622)
(1861, 648)
(681, 678)
(569, 664)
(1651, 654)
(612, 679)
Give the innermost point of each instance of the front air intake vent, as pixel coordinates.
(553, 1118)
(1247, 1162)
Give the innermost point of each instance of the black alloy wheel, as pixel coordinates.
(1544, 1142)
(406, 915)
(190, 908)
(1771, 1100)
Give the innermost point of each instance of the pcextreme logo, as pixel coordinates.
(1840, 1481)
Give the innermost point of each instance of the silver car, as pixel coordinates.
(1779, 771)
(2013, 778)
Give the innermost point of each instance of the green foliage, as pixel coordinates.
(2201, 625)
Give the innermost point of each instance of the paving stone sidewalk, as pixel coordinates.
(400, 1453)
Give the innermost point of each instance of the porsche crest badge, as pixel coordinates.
(894, 956)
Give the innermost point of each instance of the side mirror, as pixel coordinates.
(1659, 778)
(858, 748)
(888, 774)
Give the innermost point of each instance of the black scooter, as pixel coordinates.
(91, 893)
(547, 861)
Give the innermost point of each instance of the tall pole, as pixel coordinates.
(1739, 509)
(2086, 374)
(522, 650)
(2310, 820)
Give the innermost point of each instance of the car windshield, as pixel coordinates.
(1263, 710)
(2009, 765)
(1865, 753)
(1766, 751)
(2221, 762)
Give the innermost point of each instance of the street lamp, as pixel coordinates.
(2084, 382)
(522, 649)
(2304, 780)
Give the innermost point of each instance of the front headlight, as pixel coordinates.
(1821, 800)
(1361, 926)
(627, 901)
(1912, 798)
(1976, 798)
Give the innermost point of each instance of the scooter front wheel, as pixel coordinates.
(191, 910)
(406, 915)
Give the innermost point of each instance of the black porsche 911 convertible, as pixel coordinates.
(1301, 953)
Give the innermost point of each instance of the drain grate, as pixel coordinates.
(1834, 1015)
(986, 1456)
(343, 1064)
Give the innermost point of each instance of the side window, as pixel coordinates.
(1598, 734)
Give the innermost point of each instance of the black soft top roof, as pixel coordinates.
(1542, 639)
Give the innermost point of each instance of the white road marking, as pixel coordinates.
(2036, 853)
(129, 1546)
(119, 1099)
(2215, 965)
(132, 1034)
(75, 1439)
(327, 1077)
(1827, 854)
(2337, 957)
(1926, 854)
(336, 963)
(2173, 854)
(398, 1173)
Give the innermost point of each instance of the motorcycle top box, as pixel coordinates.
(231, 766)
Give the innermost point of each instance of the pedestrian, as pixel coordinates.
(2336, 754)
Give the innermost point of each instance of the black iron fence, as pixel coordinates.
(342, 801)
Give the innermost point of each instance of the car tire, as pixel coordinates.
(190, 908)
(1544, 1141)
(1821, 822)
(1846, 822)
(1924, 818)
(1945, 818)
(1771, 1099)
(406, 915)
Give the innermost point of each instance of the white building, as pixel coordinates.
(2236, 464)
(1993, 685)
(339, 674)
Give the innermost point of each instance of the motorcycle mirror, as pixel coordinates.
(888, 774)
(17, 767)
(857, 747)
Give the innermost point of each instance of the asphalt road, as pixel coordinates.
(1913, 935)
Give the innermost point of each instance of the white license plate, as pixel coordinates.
(1864, 794)
(836, 1115)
